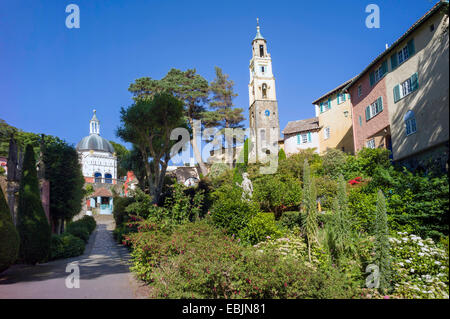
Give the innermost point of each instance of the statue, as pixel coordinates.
(247, 187)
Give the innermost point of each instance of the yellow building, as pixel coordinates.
(334, 111)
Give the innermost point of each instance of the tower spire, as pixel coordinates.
(94, 124)
(258, 32)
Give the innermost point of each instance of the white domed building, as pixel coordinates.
(99, 167)
(98, 160)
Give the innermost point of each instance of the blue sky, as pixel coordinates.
(51, 77)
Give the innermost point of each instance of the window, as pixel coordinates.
(261, 51)
(304, 138)
(359, 90)
(325, 106)
(263, 135)
(407, 87)
(403, 55)
(378, 74)
(341, 98)
(431, 27)
(108, 178)
(410, 123)
(345, 113)
(360, 121)
(98, 177)
(264, 90)
(262, 69)
(326, 133)
(371, 143)
(374, 108)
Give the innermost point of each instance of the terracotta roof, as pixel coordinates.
(333, 91)
(102, 192)
(393, 46)
(302, 125)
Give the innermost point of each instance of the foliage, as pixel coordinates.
(362, 209)
(10, 240)
(183, 208)
(309, 207)
(276, 193)
(66, 245)
(420, 268)
(63, 171)
(281, 155)
(229, 211)
(334, 162)
(82, 228)
(122, 154)
(293, 165)
(382, 256)
(119, 213)
(367, 160)
(32, 224)
(326, 190)
(148, 125)
(261, 227)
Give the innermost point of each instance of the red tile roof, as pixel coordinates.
(102, 192)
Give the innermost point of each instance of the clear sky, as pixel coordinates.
(51, 77)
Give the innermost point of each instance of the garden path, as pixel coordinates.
(103, 268)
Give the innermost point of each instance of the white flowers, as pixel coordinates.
(436, 262)
(412, 270)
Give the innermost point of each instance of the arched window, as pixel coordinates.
(261, 51)
(264, 90)
(410, 122)
(98, 177)
(108, 178)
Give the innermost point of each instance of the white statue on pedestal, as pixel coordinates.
(247, 187)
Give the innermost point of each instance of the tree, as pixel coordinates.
(10, 240)
(148, 125)
(63, 171)
(281, 155)
(32, 223)
(190, 88)
(133, 161)
(121, 153)
(310, 207)
(382, 247)
(223, 113)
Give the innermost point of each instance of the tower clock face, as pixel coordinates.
(267, 112)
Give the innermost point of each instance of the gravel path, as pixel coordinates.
(103, 269)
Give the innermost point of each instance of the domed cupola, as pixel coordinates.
(94, 141)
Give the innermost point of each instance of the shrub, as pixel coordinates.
(119, 213)
(260, 228)
(89, 222)
(277, 194)
(66, 246)
(420, 268)
(334, 162)
(293, 165)
(326, 191)
(10, 240)
(291, 219)
(79, 230)
(32, 224)
(229, 211)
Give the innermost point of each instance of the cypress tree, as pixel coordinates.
(281, 155)
(309, 206)
(382, 255)
(9, 238)
(34, 230)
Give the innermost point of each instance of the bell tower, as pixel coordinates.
(263, 105)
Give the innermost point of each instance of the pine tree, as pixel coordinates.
(10, 240)
(32, 223)
(382, 255)
(309, 205)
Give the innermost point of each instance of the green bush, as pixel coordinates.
(291, 219)
(79, 230)
(334, 163)
(119, 213)
(229, 211)
(66, 245)
(89, 222)
(32, 224)
(260, 228)
(10, 240)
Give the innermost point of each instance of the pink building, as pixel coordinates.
(370, 107)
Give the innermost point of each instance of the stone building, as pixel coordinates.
(263, 110)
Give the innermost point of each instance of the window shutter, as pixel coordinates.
(415, 81)
(372, 78)
(338, 99)
(396, 93)
(344, 96)
(394, 61)
(298, 138)
(411, 48)
(309, 137)
(360, 121)
(367, 113)
(329, 103)
(380, 104)
(384, 67)
(321, 107)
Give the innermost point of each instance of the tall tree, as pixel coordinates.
(121, 153)
(32, 223)
(310, 207)
(223, 113)
(382, 246)
(64, 173)
(148, 124)
(10, 240)
(191, 88)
